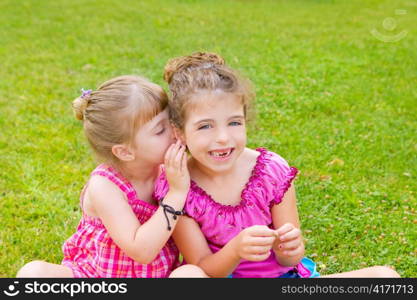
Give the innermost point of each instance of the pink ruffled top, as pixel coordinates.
(270, 179)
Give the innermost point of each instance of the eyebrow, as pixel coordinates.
(237, 117)
(204, 120)
(208, 120)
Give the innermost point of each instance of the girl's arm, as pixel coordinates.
(253, 243)
(289, 246)
(141, 242)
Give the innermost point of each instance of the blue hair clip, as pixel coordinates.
(85, 93)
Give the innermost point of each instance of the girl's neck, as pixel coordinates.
(138, 173)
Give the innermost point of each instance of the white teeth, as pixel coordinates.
(220, 154)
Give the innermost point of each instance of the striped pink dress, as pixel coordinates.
(91, 252)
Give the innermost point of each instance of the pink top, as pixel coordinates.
(270, 179)
(91, 252)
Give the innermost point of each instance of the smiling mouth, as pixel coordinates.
(221, 154)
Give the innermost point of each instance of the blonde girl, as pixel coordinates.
(124, 231)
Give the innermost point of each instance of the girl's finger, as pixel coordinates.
(284, 229)
(294, 252)
(168, 154)
(262, 241)
(173, 153)
(184, 160)
(261, 231)
(259, 250)
(178, 157)
(258, 257)
(293, 234)
(294, 244)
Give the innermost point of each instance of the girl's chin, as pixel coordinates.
(219, 166)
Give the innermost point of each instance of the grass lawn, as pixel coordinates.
(334, 100)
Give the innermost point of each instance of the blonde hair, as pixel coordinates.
(113, 113)
(187, 75)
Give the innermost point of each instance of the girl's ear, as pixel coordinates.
(122, 152)
(178, 134)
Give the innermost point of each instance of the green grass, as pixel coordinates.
(336, 102)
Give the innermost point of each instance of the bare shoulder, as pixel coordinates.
(100, 186)
(250, 155)
(98, 182)
(247, 161)
(99, 192)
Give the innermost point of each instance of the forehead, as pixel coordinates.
(214, 104)
(162, 116)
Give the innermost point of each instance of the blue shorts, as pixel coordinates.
(307, 263)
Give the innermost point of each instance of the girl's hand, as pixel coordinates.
(176, 168)
(254, 243)
(289, 241)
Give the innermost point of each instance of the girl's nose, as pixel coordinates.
(222, 136)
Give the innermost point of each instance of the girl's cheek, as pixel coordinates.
(171, 136)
